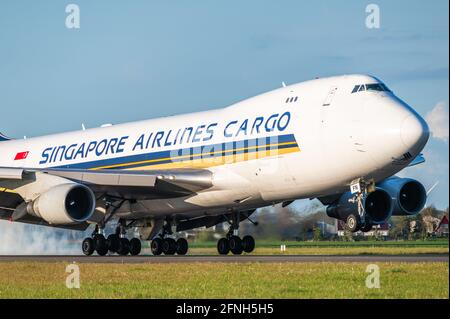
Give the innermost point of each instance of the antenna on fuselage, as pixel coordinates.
(83, 127)
(283, 84)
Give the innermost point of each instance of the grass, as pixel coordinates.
(332, 248)
(374, 250)
(218, 280)
(442, 243)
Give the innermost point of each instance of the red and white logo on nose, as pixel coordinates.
(21, 156)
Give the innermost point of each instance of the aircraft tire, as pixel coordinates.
(366, 228)
(223, 246)
(182, 246)
(169, 246)
(236, 246)
(248, 243)
(124, 246)
(352, 223)
(135, 247)
(88, 246)
(156, 246)
(101, 245)
(113, 243)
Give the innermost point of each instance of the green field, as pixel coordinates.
(363, 243)
(333, 248)
(242, 280)
(219, 280)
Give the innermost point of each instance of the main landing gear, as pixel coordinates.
(232, 242)
(114, 243)
(164, 244)
(236, 245)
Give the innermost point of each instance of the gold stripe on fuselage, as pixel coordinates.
(206, 154)
(218, 160)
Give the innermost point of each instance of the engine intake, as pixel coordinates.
(64, 204)
(408, 195)
(378, 206)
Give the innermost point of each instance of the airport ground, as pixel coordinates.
(334, 247)
(272, 279)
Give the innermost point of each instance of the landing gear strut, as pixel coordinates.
(232, 242)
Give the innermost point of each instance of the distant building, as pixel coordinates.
(442, 228)
(326, 229)
(377, 230)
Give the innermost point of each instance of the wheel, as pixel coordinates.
(236, 246)
(88, 246)
(182, 246)
(135, 246)
(169, 246)
(156, 246)
(101, 245)
(223, 247)
(352, 223)
(124, 246)
(248, 244)
(113, 243)
(366, 227)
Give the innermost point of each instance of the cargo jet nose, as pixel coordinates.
(394, 132)
(414, 132)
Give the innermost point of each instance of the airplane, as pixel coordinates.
(339, 139)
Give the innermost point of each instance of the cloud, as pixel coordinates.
(437, 119)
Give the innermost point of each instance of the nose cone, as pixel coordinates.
(394, 133)
(414, 132)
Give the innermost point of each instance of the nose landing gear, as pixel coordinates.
(360, 221)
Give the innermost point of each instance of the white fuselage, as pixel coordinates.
(319, 137)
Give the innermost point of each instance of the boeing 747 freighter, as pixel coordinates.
(339, 139)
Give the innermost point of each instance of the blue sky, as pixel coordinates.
(143, 59)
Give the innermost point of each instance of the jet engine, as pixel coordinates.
(64, 204)
(408, 195)
(378, 206)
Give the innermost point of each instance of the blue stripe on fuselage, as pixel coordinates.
(192, 153)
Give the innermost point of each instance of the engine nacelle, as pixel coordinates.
(408, 195)
(64, 204)
(378, 207)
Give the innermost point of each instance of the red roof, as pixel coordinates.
(444, 221)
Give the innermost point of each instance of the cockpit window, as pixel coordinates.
(370, 87)
(374, 87)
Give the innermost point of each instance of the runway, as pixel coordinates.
(114, 259)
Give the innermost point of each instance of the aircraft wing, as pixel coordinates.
(116, 184)
(137, 185)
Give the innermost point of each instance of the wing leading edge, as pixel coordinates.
(136, 185)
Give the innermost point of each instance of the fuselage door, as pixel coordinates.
(330, 96)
